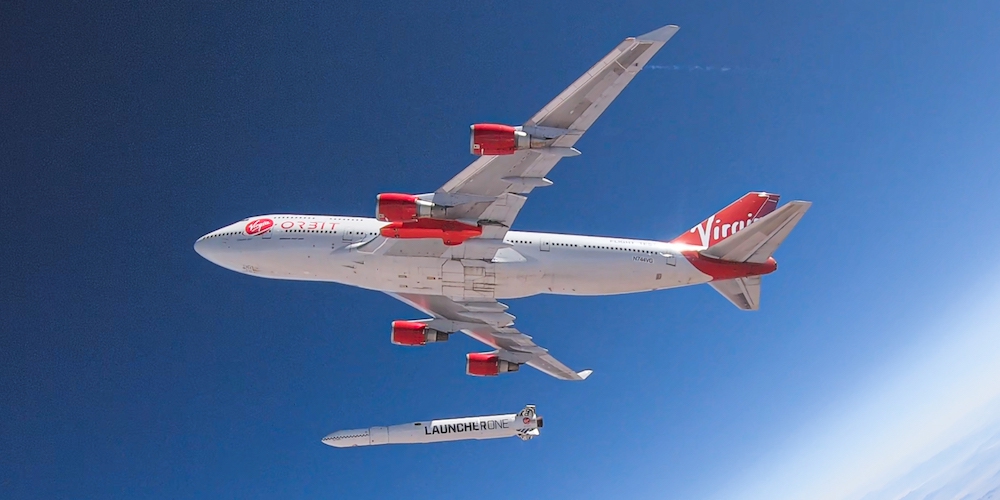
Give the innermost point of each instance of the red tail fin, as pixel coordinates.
(729, 220)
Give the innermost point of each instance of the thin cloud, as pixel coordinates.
(924, 402)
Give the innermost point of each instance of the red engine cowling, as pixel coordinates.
(494, 139)
(487, 364)
(414, 333)
(398, 207)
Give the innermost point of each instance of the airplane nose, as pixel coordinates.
(199, 246)
(206, 248)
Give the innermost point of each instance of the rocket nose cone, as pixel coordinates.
(347, 439)
(331, 440)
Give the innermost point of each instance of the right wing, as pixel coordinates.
(489, 322)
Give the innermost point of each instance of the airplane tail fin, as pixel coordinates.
(726, 222)
(747, 231)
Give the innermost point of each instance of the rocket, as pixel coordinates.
(524, 424)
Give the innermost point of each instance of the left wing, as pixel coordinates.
(493, 188)
(491, 191)
(489, 322)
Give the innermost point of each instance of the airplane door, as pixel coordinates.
(543, 245)
(350, 235)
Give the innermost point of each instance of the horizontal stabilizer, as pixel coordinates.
(758, 241)
(737, 215)
(742, 292)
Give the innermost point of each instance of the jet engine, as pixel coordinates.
(398, 207)
(494, 139)
(487, 364)
(414, 333)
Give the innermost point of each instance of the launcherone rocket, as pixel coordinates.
(524, 424)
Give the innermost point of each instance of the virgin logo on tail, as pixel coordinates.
(258, 226)
(729, 220)
(712, 233)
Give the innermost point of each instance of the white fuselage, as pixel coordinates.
(346, 250)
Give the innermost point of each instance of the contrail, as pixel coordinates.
(677, 67)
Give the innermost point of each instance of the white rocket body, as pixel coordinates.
(524, 425)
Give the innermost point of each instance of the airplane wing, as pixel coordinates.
(489, 322)
(492, 190)
(490, 179)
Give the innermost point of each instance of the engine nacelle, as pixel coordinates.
(414, 333)
(494, 139)
(398, 207)
(487, 364)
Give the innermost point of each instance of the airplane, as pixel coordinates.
(452, 255)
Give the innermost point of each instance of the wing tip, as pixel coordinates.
(583, 374)
(661, 34)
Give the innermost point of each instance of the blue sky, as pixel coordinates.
(134, 368)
